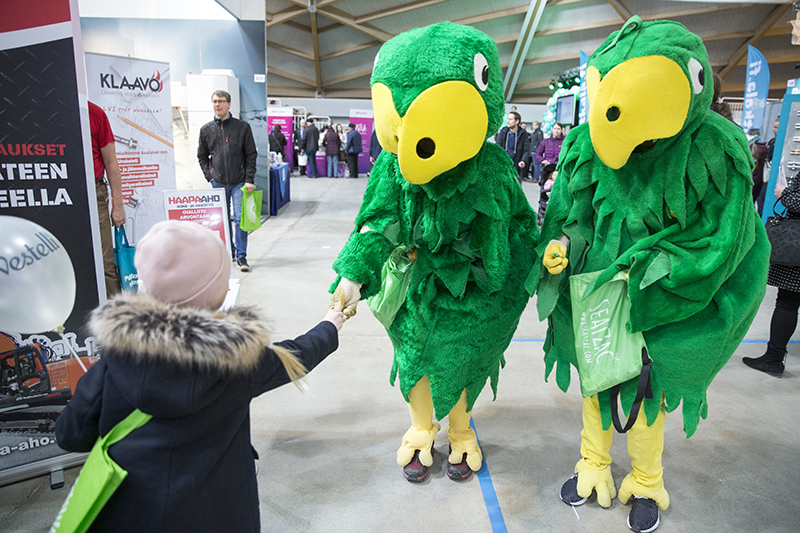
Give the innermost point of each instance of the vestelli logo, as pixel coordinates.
(153, 83)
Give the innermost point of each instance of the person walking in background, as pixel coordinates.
(311, 144)
(515, 141)
(536, 139)
(227, 154)
(352, 149)
(332, 146)
(550, 148)
(375, 149)
(299, 139)
(787, 279)
(104, 156)
(172, 354)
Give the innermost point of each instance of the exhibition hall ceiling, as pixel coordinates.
(327, 47)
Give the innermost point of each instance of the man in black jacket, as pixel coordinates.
(227, 154)
(352, 149)
(311, 144)
(515, 141)
(536, 139)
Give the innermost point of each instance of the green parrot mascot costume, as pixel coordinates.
(657, 186)
(447, 203)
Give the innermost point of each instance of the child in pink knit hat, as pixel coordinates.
(169, 352)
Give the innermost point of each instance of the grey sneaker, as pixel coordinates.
(243, 266)
(644, 516)
(569, 492)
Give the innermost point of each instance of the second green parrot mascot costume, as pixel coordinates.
(657, 186)
(441, 197)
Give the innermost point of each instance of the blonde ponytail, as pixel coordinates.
(293, 366)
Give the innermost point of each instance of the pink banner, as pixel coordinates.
(286, 125)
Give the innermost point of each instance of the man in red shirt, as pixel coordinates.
(104, 155)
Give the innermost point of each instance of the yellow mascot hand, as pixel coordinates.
(420, 439)
(598, 479)
(345, 297)
(555, 257)
(462, 442)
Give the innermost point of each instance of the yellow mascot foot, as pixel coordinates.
(586, 479)
(655, 491)
(465, 454)
(416, 452)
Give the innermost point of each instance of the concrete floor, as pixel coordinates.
(328, 455)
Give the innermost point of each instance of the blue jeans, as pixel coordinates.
(233, 199)
(311, 169)
(333, 165)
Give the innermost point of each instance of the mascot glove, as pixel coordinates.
(420, 439)
(555, 257)
(345, 297)
(462, 442)
(598, 479)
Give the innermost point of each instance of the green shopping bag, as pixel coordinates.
(97, 481)
(607, 353)
(251, 210)
(395, 276)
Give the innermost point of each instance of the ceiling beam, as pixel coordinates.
(739, 87)
(552, 58)
(284, 16)
(348, 93)
(396, 10)
(315, 44)
(350, 50)
(348, 77)
(493, 15)
(655, 16)
(296, 25)
(533, 85)
(299, 92)
(771, 60)
(774, 16)
(621, 9)
(349, 21)
(282, 48)
(529, 25)
(290, 76)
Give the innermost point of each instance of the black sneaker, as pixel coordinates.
(243, 266)
(458, 471)
(415, 471)
(644, 516)
(569, 492)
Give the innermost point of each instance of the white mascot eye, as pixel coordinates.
(696, 74)
(481, 72)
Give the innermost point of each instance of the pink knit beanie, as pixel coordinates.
(183, 263)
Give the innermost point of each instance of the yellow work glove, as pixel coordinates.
(462, 442)
(345, 297)
(420, 439)
(600, 480)
(555, 257)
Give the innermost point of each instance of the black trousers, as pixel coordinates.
(352, 164)
(784, 320)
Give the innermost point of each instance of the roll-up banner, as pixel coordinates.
(135, 95)
(756, 90)
(50, 260)
(583, 113)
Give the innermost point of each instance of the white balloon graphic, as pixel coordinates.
(250, 209)
(37, 279)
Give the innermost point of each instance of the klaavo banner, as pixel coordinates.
(50, 262)
(134, 93)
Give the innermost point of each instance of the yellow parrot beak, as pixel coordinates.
(445, 125)
(641, 99)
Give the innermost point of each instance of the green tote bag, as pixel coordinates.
(607, 353)
(251, 210)
(395, 277)
(97, 481)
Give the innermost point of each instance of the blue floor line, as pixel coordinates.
(489, 495)
(746, 341)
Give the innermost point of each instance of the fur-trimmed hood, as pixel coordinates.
(138, 327)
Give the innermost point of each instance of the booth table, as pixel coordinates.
(279, 190)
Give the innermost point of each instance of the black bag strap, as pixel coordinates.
(645, 390)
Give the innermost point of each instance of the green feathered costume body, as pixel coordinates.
(678, 215)
(472, 227)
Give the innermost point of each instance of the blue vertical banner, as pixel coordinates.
(756, 90)
(583, 113)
